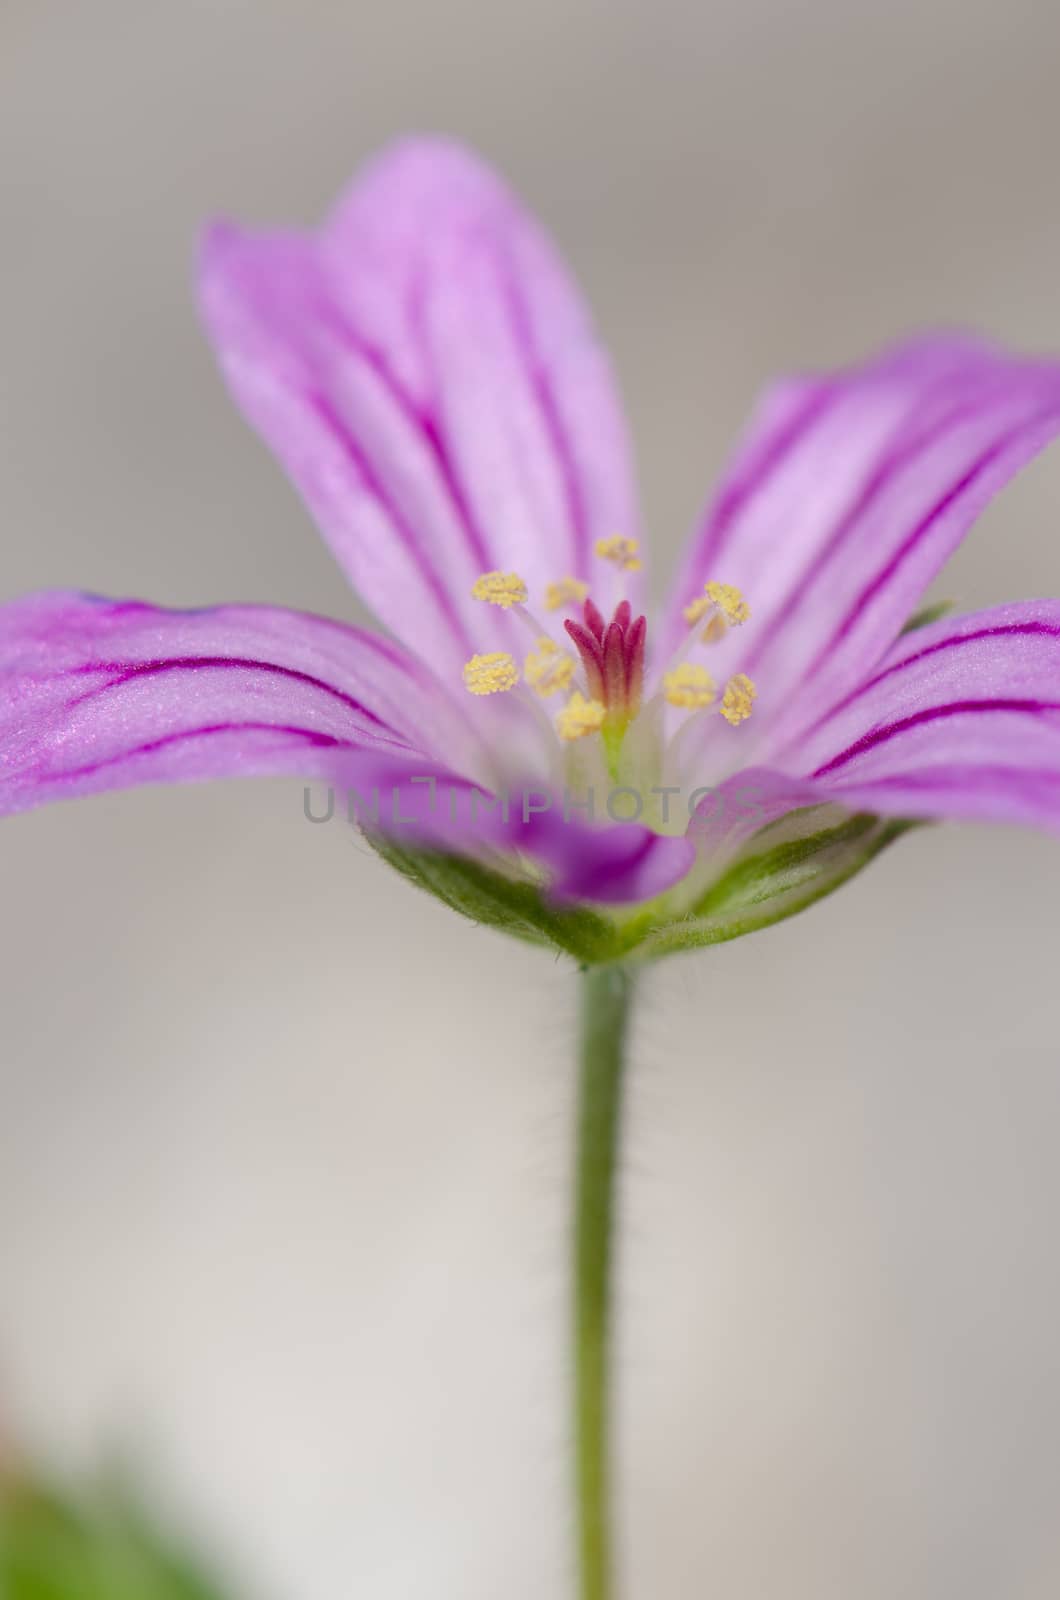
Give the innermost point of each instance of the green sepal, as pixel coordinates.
(785, 868)
(929, 613)
(512, 905)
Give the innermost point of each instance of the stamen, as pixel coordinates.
(580, 717)
(690, 686)
(547, 669)
(738, 699)
(504, 589)
(494, 673)
(567, 592)
(723, 605)
(729, 607)
(730, 602)
(508, 590)
(619, 550)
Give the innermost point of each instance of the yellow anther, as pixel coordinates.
(722, 605)
(491, 674)
(619, 550)
(738, 699)
(505, 589)
(689, 686)
(579, 717)
(698, 608)
(567, 592)
(729, 601)
(547, 669)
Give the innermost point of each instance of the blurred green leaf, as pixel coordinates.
(95, 1544)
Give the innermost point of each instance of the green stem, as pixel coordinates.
(605, 1007)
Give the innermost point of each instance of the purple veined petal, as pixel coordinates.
(464, 297)
(732, 812)
(848, 496)
(426, 373)
(99, 694)
(614, 864)
(325, 415)
(431, 807)
(961, 719)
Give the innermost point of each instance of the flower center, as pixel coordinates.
(609, 694)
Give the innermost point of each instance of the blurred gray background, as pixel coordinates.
(283, 1146)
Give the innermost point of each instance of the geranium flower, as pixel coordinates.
(524, 742)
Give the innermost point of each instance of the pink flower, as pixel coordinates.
(426, 373)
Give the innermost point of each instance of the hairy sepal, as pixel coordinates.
(784, 869)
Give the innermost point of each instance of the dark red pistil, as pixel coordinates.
(612, 654)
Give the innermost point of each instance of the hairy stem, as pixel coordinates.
(605, 1007)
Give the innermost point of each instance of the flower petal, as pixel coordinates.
(99, 694)
(961, 719)
(426, 373)
(429, 806)
(846, 498)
